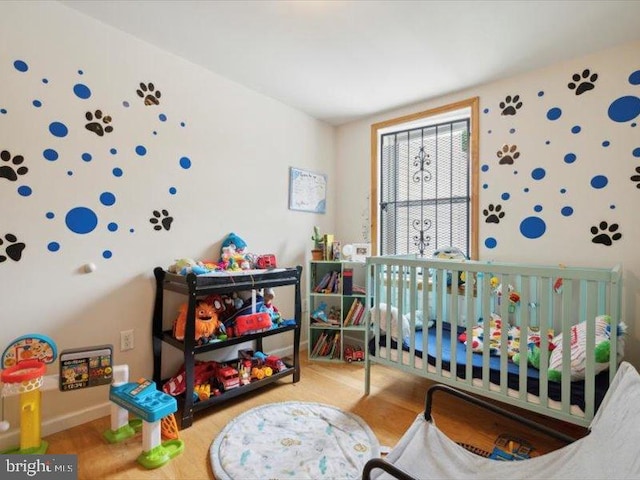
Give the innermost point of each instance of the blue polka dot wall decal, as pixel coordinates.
(576, 129)
(485, 186)
(554, 113)
(533, 227)
(50, 215)
(69, 172)
(125, 104)
(24, 191)
(162, 117)
(81, 91)
(86, 157)
(107, 254)
(505, 196)
(486, 110)
(117, 172)
(112, 227)
(37, 103)
(185, 162)
(3, 111)
(537, 208)
(512, 130)
(107, 199)
(570, 158)
(563, 190)
(21, 66)
(541, 93)
(81, 220)
(485, 168)
(606, 143)
(50, 154)
(538, 173)
(636, 152)
(113, 151)
(173, 190)
(141, 150)
(491, 242)
(45, 81)
(624, 109)
(566, 211)
(599, 181)
(634, 78)
(53, 246)
(80, 72)
(58, 129)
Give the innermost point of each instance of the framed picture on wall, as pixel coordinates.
(360, 252)
(307, 191)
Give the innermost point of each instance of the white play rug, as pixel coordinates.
(293, 440)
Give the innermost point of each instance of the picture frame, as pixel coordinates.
(360, 252)
(307, 191)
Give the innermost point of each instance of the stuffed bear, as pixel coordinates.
(207, 322)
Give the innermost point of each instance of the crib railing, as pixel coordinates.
(463, 292)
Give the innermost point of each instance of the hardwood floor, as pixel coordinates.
(395, 400)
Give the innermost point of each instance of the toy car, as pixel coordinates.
(228, 378)
(352, 354)
(253, 323)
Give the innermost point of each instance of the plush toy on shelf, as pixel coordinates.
(207, 326)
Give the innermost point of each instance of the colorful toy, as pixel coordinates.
(24, 365)
(207, 325)
(252, 323)
(145, 401)
(352, 354)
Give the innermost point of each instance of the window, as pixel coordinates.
(425, 181)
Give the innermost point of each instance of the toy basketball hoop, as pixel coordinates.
(24, 377)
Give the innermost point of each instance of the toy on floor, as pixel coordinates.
(145, 401)
(24, 365)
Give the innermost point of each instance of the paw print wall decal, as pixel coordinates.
(634, 178)
(583, 83)
(149, 93)
(10, 168)
(96, 126)
(605, 234)
(161, 220)
(510, 106)
(493, 214)
(508, 154)
(11, 248)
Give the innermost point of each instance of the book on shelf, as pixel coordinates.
(357, 315)
(348, 319)
(322, 284)
(347, 281)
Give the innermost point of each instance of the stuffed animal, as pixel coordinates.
(207, 323)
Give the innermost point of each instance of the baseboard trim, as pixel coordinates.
(11, 438)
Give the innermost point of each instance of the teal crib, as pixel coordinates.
(425, 309)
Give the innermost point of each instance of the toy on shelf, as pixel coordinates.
(207, 327)
(24, 365)
(353, 354)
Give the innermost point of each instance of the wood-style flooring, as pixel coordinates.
(395, 400)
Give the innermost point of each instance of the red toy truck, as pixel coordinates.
(352, 354)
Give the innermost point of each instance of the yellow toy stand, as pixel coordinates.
(24, 363)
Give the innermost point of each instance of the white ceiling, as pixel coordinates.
(343, 60)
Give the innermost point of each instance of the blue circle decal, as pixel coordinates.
(58, 129)
(81, 220)
(107, 199)
(533, 227)
(81, 91)
(554, 113)
(20, 66)
(599, 181)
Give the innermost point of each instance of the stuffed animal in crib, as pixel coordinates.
(207, 323)
(578, 344)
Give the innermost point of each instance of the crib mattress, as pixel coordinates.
(513, 376)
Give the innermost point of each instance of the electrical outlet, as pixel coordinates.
(126, 340)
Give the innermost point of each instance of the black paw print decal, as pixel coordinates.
(511, 105)
(149, 93)
(583, 83)
(605, 233)
(14, 248)
(493, 213)
(10, 169)
(508, 154)
(96, 127)
(161, 220)
(636, 178)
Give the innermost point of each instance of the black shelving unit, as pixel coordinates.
(196, 287)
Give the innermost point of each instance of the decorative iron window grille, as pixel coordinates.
(425, 198)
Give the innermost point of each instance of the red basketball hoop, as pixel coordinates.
(23, 377)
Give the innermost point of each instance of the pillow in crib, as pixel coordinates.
(578, 348)
(533, 338)
(393, 312)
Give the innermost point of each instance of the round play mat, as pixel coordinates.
(293, 440)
